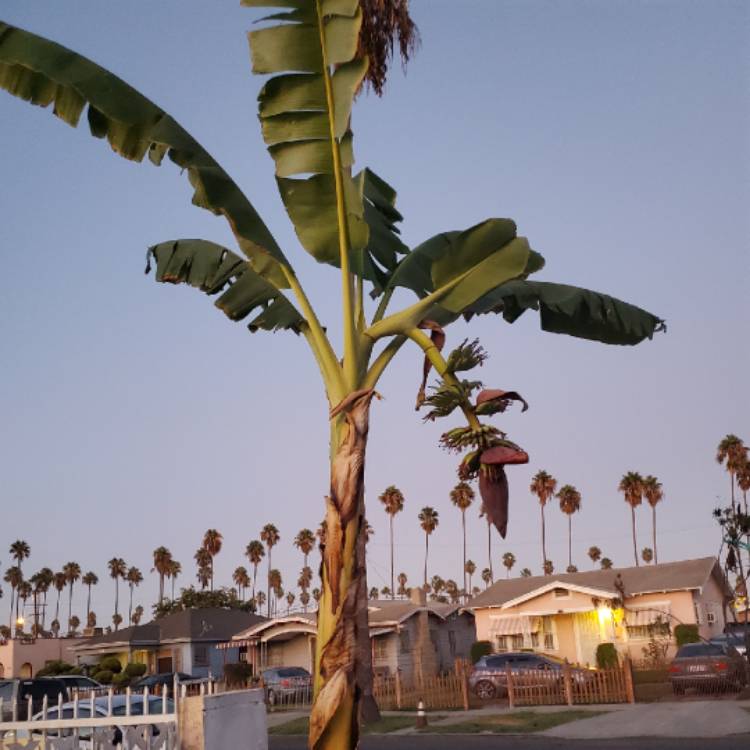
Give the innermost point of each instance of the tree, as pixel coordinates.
(290, 597)
(202, 559)
(305, 543)
(549, 567)
(509, 560)
(606, 563)
(570, 503)
(543, 485)
(89, 579)
(743, 481)
(304, 581)
(14, 577)
(40, 585)
(241, 581)
(46, 580)
(595, 554)
(74, 623)
(393, 502)
(731, 451)
(212, 541)
(260, 599)
(374, 593)
(402, 580)
(59, 583)
(369, 531)
(137, 615)
(162, 565)
(175, 570)
(631, 485)
(486, 517)
(525, 573)
(470, 568)
(486, 576)
(349, 222)
(134, 577)
(23, 592)
(654, 494)
(117, 570)
(255, 552)
(428, 520)
(571, 569)
(462, 496)
(72, 571)
(20, 551)
(304, 599)
(647, 554)
(386, 592)
(270, 535)
(275, 585)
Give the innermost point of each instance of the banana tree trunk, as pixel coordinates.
(343, 660)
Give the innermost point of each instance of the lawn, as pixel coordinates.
(521, 722)
(384, 726)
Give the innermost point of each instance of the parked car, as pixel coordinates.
(736, 640)
(287, 684)
(707, 665)
(77, 682)
(156, 682)
(489, 678)
(16, 692)
(101, 707)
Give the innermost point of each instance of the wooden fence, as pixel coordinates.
(442, 691)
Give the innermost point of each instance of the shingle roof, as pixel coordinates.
(673, 576)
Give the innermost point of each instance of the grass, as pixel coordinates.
(384, 726)
(521, 722)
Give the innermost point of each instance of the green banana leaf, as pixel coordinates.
(43, 73)
(215, 270)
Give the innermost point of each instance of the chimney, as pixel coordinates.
(418, 596)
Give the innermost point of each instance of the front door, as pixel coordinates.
(164, 664)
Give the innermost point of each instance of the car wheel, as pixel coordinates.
(485, 690)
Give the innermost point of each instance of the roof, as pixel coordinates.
(195, 625)
(684, 575)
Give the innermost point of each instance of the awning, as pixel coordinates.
(236, 644)
(381, 631)
(513, 625)
(644, 616)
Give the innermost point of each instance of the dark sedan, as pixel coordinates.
(705, 666)
(287, 685)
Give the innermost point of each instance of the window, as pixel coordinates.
(698, 613)
(659, 628)
(200, 656)
(561, 593)
(535, 640)
(380, 649)
(516, 641)
(548, 631)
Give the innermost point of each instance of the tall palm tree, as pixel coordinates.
(202, 559)
(509, 560)
(117, 570)
(47, 577)
(543, 485)
(304, 581)
(654, 494)
(462, 496)
(369, 531)
(305, 543)
(451, 588)
(428, 520)
(72, 571)
(241, 580)
(20, 551)
(486, 576)
(14, 577)
(631, 485)
(137, 614)
(59, 583)
(162, 563)
(470, 568)
(743, 480)
(595, 554)
(647, 554)
(23, 592)
(606, 563)
(260, 598)
(393, 502)
(275, 585)
(40, 586)
(570, 503)
(483, 513)
(134, 577)
(549, 567)
(289, 600)
(255, 553)
(212, 540)
(731, 451)
(270, 535)
(402, 580)
(89, 579)
(175, 570)
(437, 584)
(525, 573)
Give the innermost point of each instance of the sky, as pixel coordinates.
(616, 134)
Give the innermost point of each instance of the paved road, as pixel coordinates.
(499, 742)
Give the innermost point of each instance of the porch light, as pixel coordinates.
(604, 613)
(19, 622)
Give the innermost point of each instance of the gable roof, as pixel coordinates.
(684, 575)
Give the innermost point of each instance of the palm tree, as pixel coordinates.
(162, 564)
(255, 553)
(289, 601)
(470, 568)
(212, 540)
(89, 579)
(369, 531)
(386, 592)
(175, 570)
(549, 567)
(270, 535)
(117, 570)
(486, 575)
(437, 584)
(451, 588)
(631, 485)
(571, 568)
(59, 583)
(305, 543)
(570, 503)
(304, 581)
(137, 615)
(46, 579)
(606, 563)
(595, 554)
(346, 221)
(402, 580)
(40, 586)
(731, 451)
(525, 573)
(374, 593)
(72, 571)
(428, 520)
(274, 584)
(20, 551)
(260, 598)
(509, 560)
(202, 559)
(134, 577)
(241, 581)
(23, 592)
(14, 577)
(483, 513)
(543, 485)
(304, 599)
(393, 502)
(743, 481)
(74, 623)
(462, 496)
(647, 554)
(654, 494)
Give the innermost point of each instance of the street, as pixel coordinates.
(538, 742)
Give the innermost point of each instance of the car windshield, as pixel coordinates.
(293, 672)
(699, 649)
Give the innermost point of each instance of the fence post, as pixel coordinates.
(568, 682)
(627, 668)
(464, 677)
(509, 686)
(398, 689)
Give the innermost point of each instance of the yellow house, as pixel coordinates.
(568, 615)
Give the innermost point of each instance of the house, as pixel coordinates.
(415, 636)
(568, 615)
(24, 657)
(179, 642)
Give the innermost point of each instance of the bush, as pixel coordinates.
(120, 680)
(134, 670)
(52, 668)
(76, 670)
(480, 649)
(111, 663)
(686, 634)
(237, 674)
(606, 656)
(104, 676)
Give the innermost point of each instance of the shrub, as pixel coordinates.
(606, 656)
(55, 667)
(686, 634)
(76, 670)
(134, 670)
(237, 674)
(480, 649)
(120, 680)
(111, 663)
(104, 676)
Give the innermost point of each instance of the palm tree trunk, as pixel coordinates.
(70, 604)
(130, 606)
(635, 544)
(731, 485)
(44, 608)
(544, 543)
(212, 572)
(10, 615)
(117, 597)
(426, 551)
(570, 539)
(489, 550)
(161, 586)
(255, 575)
(393, 585)
(653, 517)
(174, 579)
(57, 607)
(88, 604)
(463, 530)
(268, 591)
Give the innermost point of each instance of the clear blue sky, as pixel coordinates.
(616, 134)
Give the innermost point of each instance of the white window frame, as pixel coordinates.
(698, 613)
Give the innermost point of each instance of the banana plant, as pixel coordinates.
(318, 54)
